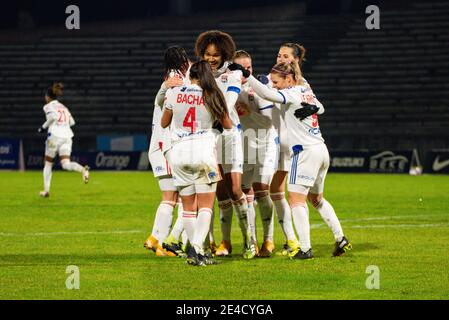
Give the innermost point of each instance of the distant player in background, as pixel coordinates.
(218, 49)
(59, 137)
(175, 74)
(191, 111)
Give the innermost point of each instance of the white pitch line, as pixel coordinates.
(380, 226)
(38, 234)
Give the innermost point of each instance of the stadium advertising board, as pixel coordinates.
(9, 154)
(113, 161)
(348, 161)
(437, 161)
(368, 161)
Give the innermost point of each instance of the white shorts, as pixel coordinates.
(55, 145)
(285, 161)
(230, 152)
(265, 157)
(166, 184)
(309, 168)
(194, 162)
(159, 164)
(255, 173)
(197, 188)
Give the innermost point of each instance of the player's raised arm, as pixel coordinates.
(262, 90)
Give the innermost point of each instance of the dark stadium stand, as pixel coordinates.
(382, 88)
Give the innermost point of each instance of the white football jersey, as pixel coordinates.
(306, 132)
(160, 137)
(191, 119)
(229, 82)
(61, 126)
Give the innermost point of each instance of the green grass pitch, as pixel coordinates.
(398, 223)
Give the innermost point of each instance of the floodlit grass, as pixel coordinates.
(399, 223)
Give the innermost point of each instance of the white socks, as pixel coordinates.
(189, 220)
(284, 214)
(71, 166)
(300, 213)
(251, 216)
(162, 221)
(211, 228)
(178, 227)
(201, 229)
(327, 212)
(47, 175)
(266, 213)
(241, 209)
(225, 219)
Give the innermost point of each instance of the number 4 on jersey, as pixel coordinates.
(190, 119)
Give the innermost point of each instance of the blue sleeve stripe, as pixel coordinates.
(285, 100)
(267, 107)
(234, 89)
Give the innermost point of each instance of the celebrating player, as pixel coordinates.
(176, 67)
(310, 160)
(192, 110)
(260, 155)
(218, 49)
(59, 137)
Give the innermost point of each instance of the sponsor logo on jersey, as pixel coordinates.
(439, 165)
(159, 169)
(315, 131)
(183, 89)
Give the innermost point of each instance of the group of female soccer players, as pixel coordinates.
(219, 132)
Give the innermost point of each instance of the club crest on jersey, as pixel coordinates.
(224, 78)
(212, 175)
(159, 169)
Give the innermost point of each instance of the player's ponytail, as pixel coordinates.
(299, 52)
(284, 69)
(212, 95)
(55, 91)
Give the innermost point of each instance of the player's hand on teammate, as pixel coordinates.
(173, 82)
(306, 110)
(236, 66)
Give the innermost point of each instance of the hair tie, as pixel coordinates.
(281, 72)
